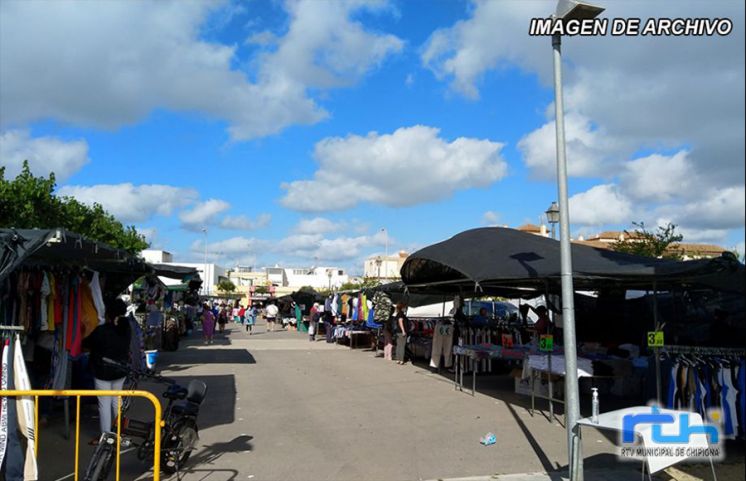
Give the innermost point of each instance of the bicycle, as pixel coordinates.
(179, 433)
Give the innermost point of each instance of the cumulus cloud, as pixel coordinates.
(616, 109)
(659, 177)
(317, 225)
(588, 150)
(44, 154)
(131, 203)
(409, 166)
(490, 218)
(203, 214)
(108, 64)
(602, 204)
(241, 222)
(301, 247)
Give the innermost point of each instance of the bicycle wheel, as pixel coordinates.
(100, 465)
(178, 445)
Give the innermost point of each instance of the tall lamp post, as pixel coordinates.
(568, 10)
(206, 281)
(329, 273)
(553, 216)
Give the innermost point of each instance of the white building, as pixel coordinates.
(210, 279)
(156, 256)
(385, 267)
(316, 277)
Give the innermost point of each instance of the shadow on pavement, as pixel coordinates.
(211, 453)
(206, 355)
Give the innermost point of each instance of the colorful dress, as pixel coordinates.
(208, 324)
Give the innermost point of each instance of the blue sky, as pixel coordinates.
(294, 131)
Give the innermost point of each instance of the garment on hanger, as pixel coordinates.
(25, 406)
(442, 344)
(13, 452)
(4, 402)
(44, 293)
(88, 312)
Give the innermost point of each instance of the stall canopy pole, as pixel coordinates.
(656, 351)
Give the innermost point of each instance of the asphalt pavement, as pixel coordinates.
(282, 408)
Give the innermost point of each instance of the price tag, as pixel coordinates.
(546, 342)
(655, 339)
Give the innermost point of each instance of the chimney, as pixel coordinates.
(543, 230)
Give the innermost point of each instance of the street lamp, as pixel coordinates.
(553, 216)
(568, 10)
(329, 273)
(207, 283)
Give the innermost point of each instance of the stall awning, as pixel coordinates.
(58, 247)
(493, 258)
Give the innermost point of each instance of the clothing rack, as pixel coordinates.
(722, 351)
(12, 328)
(706, 351)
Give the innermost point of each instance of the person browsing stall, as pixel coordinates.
(109, 340)
(543, 325)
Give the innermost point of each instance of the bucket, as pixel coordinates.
(151, 357)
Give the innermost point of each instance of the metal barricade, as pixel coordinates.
(77, 394)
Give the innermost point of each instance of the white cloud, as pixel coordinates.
(615, 109)
(300, 247)
(150, 234)
(587, 149)
(202, 214)
(410, 166)
(45, 154)
(659, 177)
(241, 222)
(602, 204)
(716, 209)
(493, 35)
(490, 218)
(317, 225)
(111, 63)
(132, 203)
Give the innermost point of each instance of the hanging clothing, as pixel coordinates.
(44, 292)
(25, 406)
(442, 345)
(14, 469)
(50, 301)
(98, 298)
(88, 312)
(74, 336)
(4, 403)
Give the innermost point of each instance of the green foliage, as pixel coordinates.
(261, 290)
(356, 286)
(660, 244)
(29, 202)
(226, 286)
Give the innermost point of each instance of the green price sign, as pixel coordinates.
(546, 342)
(655, 339)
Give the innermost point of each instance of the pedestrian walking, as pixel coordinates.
(208, 324)
(223, 318)
(270, 313)
(251, 313)
(313, 324)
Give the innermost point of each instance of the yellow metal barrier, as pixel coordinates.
(36, 393)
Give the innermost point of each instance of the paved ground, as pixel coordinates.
(282, 408)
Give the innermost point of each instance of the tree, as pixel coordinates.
(29, 202)
(660, 244)
(226, 285)
(261, 290)
(366, 283)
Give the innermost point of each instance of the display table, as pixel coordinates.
(356, 334)
(478, 352)
(614, 421)
(552, 365)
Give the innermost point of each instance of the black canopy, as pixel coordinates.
(58, 247)
(492, 258)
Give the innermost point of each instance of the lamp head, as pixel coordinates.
(577, 10)
(553, 213)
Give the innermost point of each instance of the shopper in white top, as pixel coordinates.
(271, 314)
